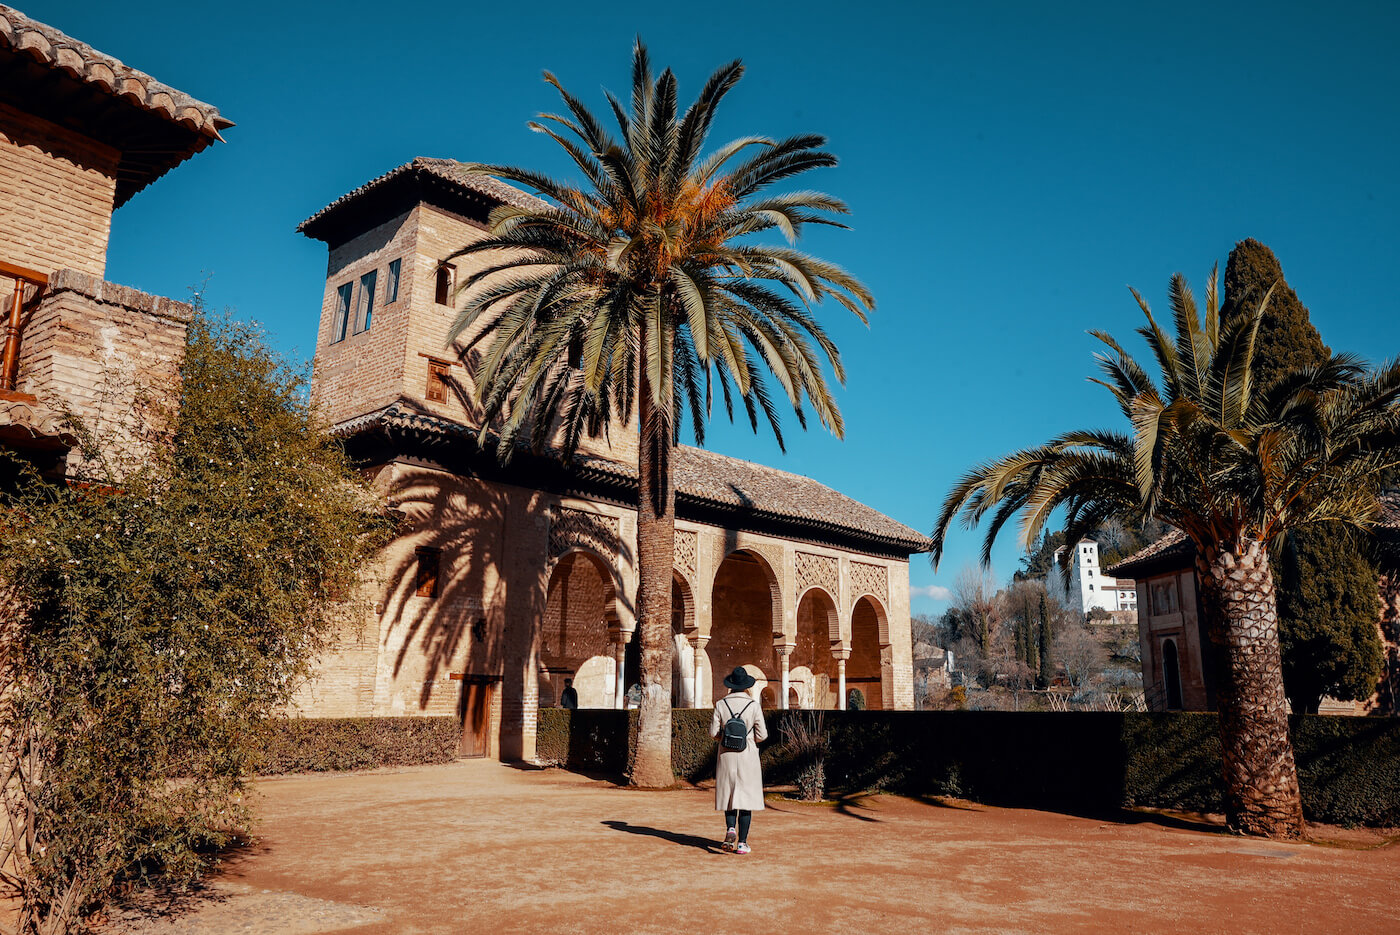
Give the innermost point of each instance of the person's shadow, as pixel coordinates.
(689, 840)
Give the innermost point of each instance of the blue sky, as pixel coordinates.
(1011, 169)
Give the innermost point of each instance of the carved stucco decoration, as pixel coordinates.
(687, 552)
(870, 579)
(818, 571)
(570, 529)
(773, 556)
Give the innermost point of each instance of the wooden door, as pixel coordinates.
(476, 719)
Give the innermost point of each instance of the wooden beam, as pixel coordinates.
(13, 271)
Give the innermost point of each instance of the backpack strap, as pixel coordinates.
(732, 715)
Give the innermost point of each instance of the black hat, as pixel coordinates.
(739, 679)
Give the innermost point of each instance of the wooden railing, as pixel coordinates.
(9, 364)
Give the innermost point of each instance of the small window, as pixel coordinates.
(342, 311)
(444, 285)
(1091, 587)
(429, 562)
(437, 381)
(366, 310)
(391, 284)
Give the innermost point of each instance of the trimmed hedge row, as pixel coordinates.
(297, 745)
(1349, 768)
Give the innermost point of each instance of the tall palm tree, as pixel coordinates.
(1233, 466)
(635, 293)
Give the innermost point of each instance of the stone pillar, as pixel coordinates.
(841, 656)
(620, 654)
(526, 580)
(701, 670)
(784, 653)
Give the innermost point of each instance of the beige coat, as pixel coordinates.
(738, 774)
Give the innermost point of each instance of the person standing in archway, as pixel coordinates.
(738, 725)
(568, 698)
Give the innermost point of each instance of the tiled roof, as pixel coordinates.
(1172, 550)
(705, 479)
(444, 170)
(191, 124)
(48, 46)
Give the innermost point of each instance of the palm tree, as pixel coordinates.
(1233, 466)
(634, 294)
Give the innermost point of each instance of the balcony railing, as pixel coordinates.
(22, 277)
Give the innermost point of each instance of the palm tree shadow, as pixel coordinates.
(849, 803)
(675, 837)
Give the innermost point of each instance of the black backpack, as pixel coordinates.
(735, 735)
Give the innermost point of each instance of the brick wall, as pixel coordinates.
(574, 638)
(56, 194)
(364, 371)
(108, 353)
(390, 361)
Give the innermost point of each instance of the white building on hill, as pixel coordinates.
(1091, 586)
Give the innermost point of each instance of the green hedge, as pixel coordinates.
(1083, 762)
(297, 745)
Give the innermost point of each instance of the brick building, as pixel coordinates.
(504, 580)
(1177, 668)
(80, 134)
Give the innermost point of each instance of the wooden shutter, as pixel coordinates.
(429, 562)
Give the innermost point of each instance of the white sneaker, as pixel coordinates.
(730, 837)
(741, 848)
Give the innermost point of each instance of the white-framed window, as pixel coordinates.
(391, 282)
(365, 312)
(342, 311)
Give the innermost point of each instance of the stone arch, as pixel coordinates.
(870, 668)
(814, 669)
(579, 628)
(746, 616)
(1171, 675)
(683, 674)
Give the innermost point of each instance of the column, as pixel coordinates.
(702, 672)
(620, 654)
(841, 656)
(784, 651)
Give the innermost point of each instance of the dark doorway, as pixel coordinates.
(1171, 674)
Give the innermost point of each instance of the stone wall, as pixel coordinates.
(56, 194)
(109, 354)
(522, 598)
(1179, 622)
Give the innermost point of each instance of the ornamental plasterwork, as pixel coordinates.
(870, 579)
(570, 529)
(774, 557)
(687, 552)
(818, 571)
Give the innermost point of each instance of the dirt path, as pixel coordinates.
(477, 846)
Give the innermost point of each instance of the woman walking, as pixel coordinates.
(738, 725)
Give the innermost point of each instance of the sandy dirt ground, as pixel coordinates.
(481, 847)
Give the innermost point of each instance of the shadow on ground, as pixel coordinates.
(675, 837)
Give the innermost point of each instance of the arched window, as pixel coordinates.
(1171, 674)
(443, 289)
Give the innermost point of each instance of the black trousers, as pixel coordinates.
(739, 818)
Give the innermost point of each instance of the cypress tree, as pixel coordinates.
(1047, 671)
(1029, 657)
(1328, 601)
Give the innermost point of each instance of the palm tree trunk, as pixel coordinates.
(656, 536)
(1261, 779)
